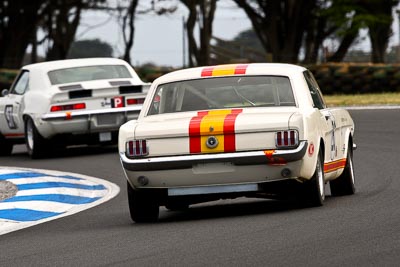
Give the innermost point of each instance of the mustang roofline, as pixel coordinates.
(278, 69)
(71, 63)
(237, 158)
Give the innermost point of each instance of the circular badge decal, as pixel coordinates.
(212, 142)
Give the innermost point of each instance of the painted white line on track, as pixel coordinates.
(34, 180)
(45, 195)
(39, 206)
(67, 191)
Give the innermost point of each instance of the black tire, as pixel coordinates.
(143, 206)
(36, 145)
(5, 146)
(345, 183)
(314, 189)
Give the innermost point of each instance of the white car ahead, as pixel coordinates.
(253, 130)
(58, 103)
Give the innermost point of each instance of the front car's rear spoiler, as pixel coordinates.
(88, 113)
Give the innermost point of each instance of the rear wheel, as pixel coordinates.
(314, 189)
(345, 183)
(143, 206)
(5, 146)
(36, 145)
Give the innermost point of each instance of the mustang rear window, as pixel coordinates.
(222, 92)
(88, 73)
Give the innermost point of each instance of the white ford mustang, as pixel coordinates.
(56, 103)
(254, 130)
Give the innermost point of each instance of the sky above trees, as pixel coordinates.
(159, 39)
(290, 31)
(152, 30)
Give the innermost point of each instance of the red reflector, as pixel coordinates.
(68, 115)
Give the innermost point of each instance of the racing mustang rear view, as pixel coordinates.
(253, 130)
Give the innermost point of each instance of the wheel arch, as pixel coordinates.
(322, 149)
(310, 158)
(348, 142)
(25, 117)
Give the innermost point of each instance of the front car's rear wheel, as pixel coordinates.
(345, 183)
(36, 145)
(5, 146)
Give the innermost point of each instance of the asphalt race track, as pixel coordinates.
(359, 230)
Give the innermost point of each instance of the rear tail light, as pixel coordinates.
(288, 138)
(136, 148)
(68, 107)
(134, 101)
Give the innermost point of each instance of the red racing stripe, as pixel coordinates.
(194, 132)
(207, 72)
(14, 135)
(229, 131)
(241, 69)
(334, 165)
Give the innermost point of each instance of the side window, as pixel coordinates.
(314, 91)
(21, 84)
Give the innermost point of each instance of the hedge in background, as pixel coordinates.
(352, 78)
(333, 78)
(6, 78)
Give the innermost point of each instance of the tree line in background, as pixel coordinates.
(282, 30)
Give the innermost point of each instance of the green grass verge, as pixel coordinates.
(363, 99)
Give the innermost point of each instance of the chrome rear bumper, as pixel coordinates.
(238, 158)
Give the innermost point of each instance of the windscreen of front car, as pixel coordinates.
(88, 73)
(221, 93)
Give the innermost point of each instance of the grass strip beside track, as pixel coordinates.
(363, 99)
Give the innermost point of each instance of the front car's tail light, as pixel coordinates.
(68, 107)
(136, 148)
(134, 101)
(286, 139)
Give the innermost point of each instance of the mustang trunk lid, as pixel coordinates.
(213, 131)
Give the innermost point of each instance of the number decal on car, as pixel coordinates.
(333, 139)
(9, 117)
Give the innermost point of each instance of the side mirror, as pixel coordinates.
(4, 92)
